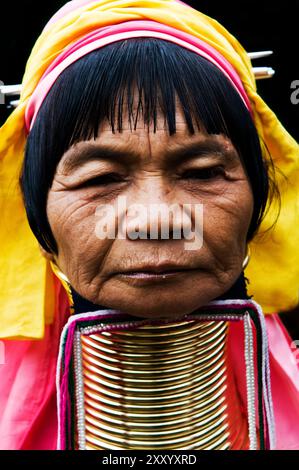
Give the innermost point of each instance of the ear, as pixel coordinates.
(46, 254)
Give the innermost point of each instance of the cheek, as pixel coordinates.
(73, 223)
(226, 223)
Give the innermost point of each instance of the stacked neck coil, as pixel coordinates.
(155, 387)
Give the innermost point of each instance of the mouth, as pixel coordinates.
(154, 274)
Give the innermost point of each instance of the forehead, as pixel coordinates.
(135, 131)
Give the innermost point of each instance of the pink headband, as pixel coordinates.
(130, 29)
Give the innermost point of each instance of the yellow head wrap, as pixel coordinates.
(26, 279)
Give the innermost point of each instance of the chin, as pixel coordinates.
(177, 295)
(157, 307)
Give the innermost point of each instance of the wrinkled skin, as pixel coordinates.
(96, 267)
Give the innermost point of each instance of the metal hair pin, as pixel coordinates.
(261, 72)
(259, 55)
(12, 91)
(9, 90)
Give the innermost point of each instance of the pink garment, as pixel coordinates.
(284, 368)
(28, 417)
(129, 29)
(28, 411)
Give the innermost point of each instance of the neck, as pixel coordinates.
(125, 370)
(167, 386)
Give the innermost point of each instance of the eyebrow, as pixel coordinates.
(76, 158)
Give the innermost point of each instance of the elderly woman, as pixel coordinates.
(145, 160)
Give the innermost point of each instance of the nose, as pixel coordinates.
(155, 214)
(155, 222)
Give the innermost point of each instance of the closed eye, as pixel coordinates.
(102, 180)
(203, 173)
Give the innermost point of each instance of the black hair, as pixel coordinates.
(96, 87)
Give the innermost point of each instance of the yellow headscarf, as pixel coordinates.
(26, 279)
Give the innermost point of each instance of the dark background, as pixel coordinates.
(259, 25)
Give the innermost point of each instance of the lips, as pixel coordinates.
(143, 275)
(161, 269)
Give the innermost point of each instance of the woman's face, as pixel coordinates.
(157, 275)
